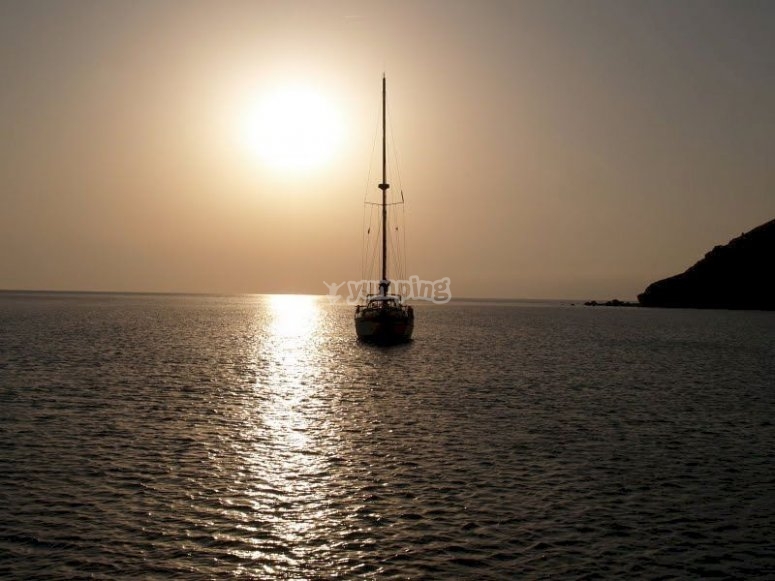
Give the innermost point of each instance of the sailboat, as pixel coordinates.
(384, 319)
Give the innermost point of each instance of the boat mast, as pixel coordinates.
(384, 283)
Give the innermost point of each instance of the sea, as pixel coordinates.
(253, 437)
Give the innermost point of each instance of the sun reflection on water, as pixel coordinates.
(293, 432)
(294, 315)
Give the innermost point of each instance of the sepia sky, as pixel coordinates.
(546, 149)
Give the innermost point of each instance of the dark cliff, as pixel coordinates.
(736, 276)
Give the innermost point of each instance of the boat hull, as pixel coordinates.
(384, 328)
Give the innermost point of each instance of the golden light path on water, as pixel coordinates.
(293, 438)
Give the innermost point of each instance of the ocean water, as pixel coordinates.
(206, 437)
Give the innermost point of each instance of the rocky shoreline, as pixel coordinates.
(611, 303)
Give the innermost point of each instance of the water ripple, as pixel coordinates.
(205, 437)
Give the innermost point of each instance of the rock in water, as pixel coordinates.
(736, 276)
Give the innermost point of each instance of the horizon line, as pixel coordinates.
(237, 294)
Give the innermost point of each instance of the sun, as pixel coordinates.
(292, 129)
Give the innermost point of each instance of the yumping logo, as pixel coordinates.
(414, 289)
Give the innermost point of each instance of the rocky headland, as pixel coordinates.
(738, 275)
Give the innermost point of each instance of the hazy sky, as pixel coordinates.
(547, 149)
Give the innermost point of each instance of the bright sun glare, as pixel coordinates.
(292, 129)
